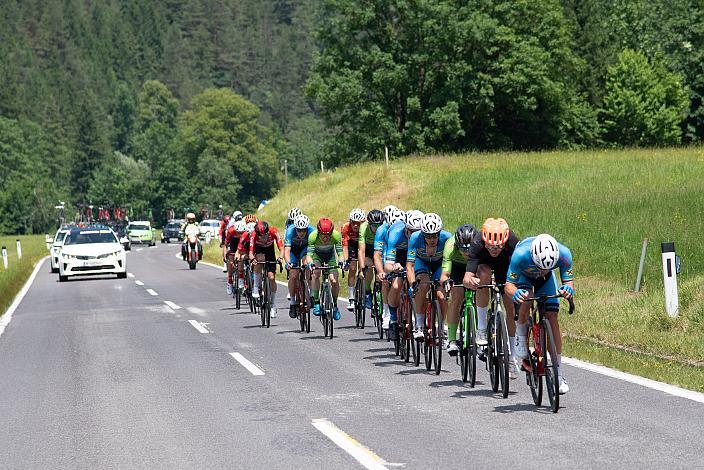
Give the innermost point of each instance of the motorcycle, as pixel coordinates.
(193, 251)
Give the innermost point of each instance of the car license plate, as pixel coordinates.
(92, 262)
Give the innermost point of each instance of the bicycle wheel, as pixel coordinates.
(438, 337)
(415, 346)
(492, 362)
(552, 383)
(535, 380)
(427, 339)
(503, 355)
(463, 352)
(378, 310)
(262, 302)
(238, 296)
(359, 302)
(472, 346)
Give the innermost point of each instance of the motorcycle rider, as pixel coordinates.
(191, 228)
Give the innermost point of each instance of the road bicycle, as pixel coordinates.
(542, 352)
(377, 306)
(467, 334)
(327, 301)
(403, 344)
(359, 299)
(301, 292)
(433, 330)
(248, 282)
(265, 300)
(497, 350)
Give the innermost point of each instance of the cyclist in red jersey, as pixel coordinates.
(261, 248)
(232, 240)
(221, 234)
(350, 250)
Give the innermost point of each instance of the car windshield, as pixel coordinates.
(82, 237)
(138, 227)
(60, 237)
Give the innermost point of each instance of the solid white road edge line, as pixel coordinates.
(198, 326)
(139, 249)
(364, 456)
(636, 379)
(247, 364)
(138, 282)
(5, 319)
(130, 275)
(171, 304)
(152, 292)
(615, 374)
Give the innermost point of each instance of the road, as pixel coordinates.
(102, 373)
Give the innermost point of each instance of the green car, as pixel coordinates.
(141, 232)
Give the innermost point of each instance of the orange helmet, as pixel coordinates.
(495, 232)
(249, 218)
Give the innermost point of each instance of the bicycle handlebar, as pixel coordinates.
(327, 268)
(542, 299)
(281, 266)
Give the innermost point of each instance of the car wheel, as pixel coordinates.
(122, 275)
(63, 278)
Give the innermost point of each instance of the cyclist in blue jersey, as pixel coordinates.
(396, 254)
(423, 263)
(531, 273)
(295, 250)
(392, 214)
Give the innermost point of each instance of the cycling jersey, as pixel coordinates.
(422, 261)
(350, 233)
(266, 241)
(522, 269)
(380, 239)
(397, 243)
(453, 262)
(232, 239)
(297, 243)
(244, 242)
(289, 223)
(478, 254)
(323, 251)
(366, 238)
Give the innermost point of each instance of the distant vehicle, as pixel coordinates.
(171, 230)
(55, 247)
(209, 229)
(141, 231)
(91, 250)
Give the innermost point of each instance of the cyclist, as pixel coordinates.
(295, 250)
(232, 242)
(324, 244)
(221, 233)
(492, 252)
(350, 250)
(424, 263)
(191, 228)
(454, 263)
(396, 254)
(531, 273)
(249, 218)
(292, 214)
(375, 218)
(392, 214)
(261, 248)
(236, 216)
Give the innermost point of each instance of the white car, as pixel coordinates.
(209, 229)
(91, 250)
(55, 248)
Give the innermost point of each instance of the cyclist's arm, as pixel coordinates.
(362, 253)
(410, 272)
(337, 243)
(287, 253)
(378, 262)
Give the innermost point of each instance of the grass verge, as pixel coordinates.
(19, 270)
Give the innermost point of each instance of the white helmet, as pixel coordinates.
(293, 213)
(357, 215)
(240, 226)
(544, 251)
(414, 218)
(237, 215)
(301, 222)
(432, 223)
(250, 226)
(388, 210)
(396, 215)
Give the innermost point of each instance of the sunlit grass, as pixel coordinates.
(12, 279)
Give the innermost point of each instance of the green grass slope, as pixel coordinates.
(601, 204)
(12, 279)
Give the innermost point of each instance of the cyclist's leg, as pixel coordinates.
(259, 256)
(292, 276)
(353, 251)
(423, 278)
(552, 308)
(456, 299)
(229, 257)
(315, 284)
(334, 284)
(484, 275)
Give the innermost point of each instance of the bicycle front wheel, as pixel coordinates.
(502, 350)
(552, 383)
(464, 349)
(438, 337)
(535, 380)
(492, 361)
(359, 302)
(472, 346)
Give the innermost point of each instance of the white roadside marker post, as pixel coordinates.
(19, 249)
(669, 272)
(4, 257)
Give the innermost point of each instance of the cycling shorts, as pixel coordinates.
(457, 272)
(542, 286)
(432, 268)
(269, 255)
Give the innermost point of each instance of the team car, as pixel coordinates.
(142, 232)
(91, 250)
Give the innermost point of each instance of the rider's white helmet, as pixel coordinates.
(388, 210)
(251, 226)
(396, 215)
(432, 223)
(293, 213)
(414, 219)
(545, 252)
(301, 222)
(237, 215)
(240, 226)
(357, 215)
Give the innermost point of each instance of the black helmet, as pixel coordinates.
(375, 217)
(464, 235)
(262, 228)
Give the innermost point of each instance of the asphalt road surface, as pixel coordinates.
(104, 373)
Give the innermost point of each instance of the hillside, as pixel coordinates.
(600, 204)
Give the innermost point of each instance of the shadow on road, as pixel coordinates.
(521, 407)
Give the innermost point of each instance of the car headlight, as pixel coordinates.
(67, 256)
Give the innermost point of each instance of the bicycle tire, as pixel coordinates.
(472, 347)
(503, 353)
(463, 352)
(262, 303)
(535, 380)
(238, 297)
(415, 345)
(359, 294)
(377, 304)
(492, 360)
(552, 383)
(438, 337)
(427, 338)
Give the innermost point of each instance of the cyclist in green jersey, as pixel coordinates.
(366, 249)
(454, 262)
(324, 249)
